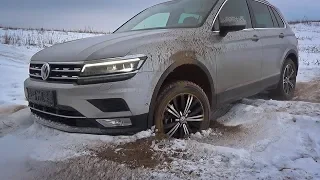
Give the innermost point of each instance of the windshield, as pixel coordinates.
(172, 14)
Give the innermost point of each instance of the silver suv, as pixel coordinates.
(169, 66)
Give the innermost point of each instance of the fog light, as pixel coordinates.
(115, 122)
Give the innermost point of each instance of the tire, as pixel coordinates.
(171, 115)
(287, 84)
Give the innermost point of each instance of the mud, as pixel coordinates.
(84, 167)
(11, 109)
(308, 92)
(135, 154)
(131, 160)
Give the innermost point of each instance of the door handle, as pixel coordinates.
(281, 35)
(255, 38)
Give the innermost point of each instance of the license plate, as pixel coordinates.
(41, 97)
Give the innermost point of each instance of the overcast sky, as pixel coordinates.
(107, 15)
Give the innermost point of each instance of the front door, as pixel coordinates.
(238, 56)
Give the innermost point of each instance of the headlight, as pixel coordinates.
(113, 66)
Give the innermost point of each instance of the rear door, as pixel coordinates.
(271, 29)
(239, 54)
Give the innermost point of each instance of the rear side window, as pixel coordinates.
(262, 16)
(274, 19)
(279, 19)
(235, 8)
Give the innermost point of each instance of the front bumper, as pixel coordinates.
(80, 108)
(89, 126)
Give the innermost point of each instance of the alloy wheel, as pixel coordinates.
(289, 79)
(183, 115)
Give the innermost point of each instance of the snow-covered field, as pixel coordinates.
(257, 139)
(16, 49)
(38, 38)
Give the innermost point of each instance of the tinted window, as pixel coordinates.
(279, 19)
(235, 8)
(274, 19)
(172, 14)
(262, 16)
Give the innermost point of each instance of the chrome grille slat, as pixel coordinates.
(65, 70)
(36, 69)
(62, 72)
(35, 75)
(69, 78)
(37, 62)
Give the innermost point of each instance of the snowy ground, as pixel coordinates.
(309, 49)
(14, 62)
(16, 49)
(256, 139)
(38, 38)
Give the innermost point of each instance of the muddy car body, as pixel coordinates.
(207, 59)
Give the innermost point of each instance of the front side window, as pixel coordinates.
(172, 14)
(234, 8)
(262, 16)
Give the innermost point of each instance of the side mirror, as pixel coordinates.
(231, 24)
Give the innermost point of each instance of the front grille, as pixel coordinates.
(57, 111)
(63, 72)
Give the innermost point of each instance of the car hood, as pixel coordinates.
(93, 48)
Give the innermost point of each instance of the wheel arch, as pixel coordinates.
(293, 55)
(178, 65)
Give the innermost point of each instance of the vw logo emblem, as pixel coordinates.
(45, 71)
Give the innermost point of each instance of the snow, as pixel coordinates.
(257, 138)
(309, 49)
(14, 63)
(274, 142)
(38, 38)
(22, 141)
(15, 57)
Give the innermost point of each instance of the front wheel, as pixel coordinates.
(287, 84)
(182, 108)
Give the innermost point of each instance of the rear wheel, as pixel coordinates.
(287, 84)
(182, 109)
